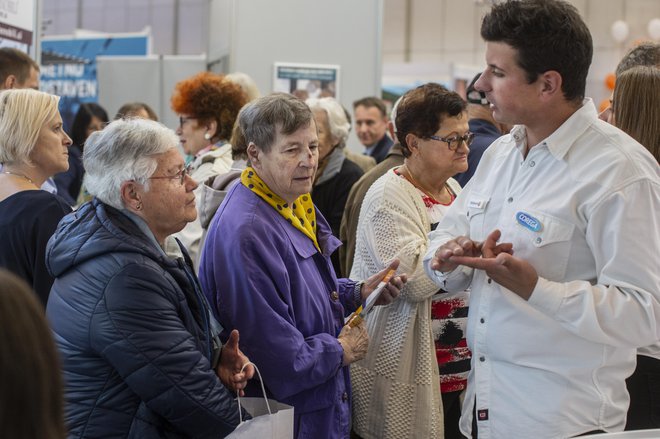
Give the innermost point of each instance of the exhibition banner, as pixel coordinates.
(68, 66)
(17, 24)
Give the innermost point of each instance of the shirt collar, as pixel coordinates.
(561, 140)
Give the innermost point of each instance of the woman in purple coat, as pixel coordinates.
(266, 271)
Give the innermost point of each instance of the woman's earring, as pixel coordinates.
(207, 136)
(138, 206)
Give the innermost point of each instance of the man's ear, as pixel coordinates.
(10, 82)
(130, 195)
(254, 155)
(551, 82)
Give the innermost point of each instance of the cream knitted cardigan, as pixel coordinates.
(396, 387)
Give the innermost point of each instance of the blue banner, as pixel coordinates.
(68, 67)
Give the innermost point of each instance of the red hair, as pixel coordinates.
(208, 96)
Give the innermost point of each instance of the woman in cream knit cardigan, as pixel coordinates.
(396, 386)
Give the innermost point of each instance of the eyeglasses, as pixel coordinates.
(183, 119)
(455, 141)
(181, 175)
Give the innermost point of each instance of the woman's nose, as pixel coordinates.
(309, 157)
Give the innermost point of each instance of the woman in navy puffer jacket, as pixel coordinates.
(135, 334)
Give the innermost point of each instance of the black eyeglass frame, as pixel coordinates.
(454, 142)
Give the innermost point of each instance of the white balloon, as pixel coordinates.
(654, 28)
(619, 31)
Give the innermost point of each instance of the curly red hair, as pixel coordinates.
(209, 96)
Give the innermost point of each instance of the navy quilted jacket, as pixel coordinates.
(132, 332)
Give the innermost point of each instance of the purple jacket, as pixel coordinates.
(266, 279)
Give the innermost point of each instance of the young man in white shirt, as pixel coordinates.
(557, 235)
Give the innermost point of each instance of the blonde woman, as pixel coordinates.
(33, 147)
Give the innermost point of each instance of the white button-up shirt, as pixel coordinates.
(584, 209)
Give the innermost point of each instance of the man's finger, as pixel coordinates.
(488, 246)
(472, 262)
(505, 247)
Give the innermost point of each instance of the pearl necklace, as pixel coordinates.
(20, 175)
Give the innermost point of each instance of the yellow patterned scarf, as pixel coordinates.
(301, 215)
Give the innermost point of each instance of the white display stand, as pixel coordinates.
(146, 79)
(346, 33)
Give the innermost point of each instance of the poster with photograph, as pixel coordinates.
(307, 80)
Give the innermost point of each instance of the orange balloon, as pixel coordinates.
(604, 104)
(610, 79)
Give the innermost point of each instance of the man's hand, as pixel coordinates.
(392, 288)
(231, 362)
(355, 342)
(460, 246)
(498, 262)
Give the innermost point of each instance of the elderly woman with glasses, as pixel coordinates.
(139, 346)
(266, 270)
(207, 105)
(397, 386)
(336, 174)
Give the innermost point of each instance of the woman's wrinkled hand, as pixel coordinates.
(355, 342)
(232, 361)
(392, 289)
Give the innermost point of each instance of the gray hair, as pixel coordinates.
(247, 84)
(337, 122)
(645, 54)
(261, 118)
(124, 150)
(395, 108)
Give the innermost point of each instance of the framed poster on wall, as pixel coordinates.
(306, 80)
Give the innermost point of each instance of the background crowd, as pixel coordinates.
(142, 268)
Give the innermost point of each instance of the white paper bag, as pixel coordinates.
(270, 419)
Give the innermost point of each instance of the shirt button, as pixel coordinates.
(482, 358)
(482, 320)
(509, 200)
(538, 240)
(334, 296)
(490, 281)
(344, 396)
(532, 164)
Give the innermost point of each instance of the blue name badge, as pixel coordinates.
(528, 221)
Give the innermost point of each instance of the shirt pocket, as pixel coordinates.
(476, 213)
(547, 248)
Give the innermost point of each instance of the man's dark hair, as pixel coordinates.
(17, 63)
(422, 110)
(547, 35)
(371, 101)
(645, 54)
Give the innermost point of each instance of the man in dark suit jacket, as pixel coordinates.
(484, 127)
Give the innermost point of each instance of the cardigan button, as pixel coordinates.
(334, 296)
(344, 396)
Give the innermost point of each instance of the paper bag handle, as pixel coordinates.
(263, 389)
